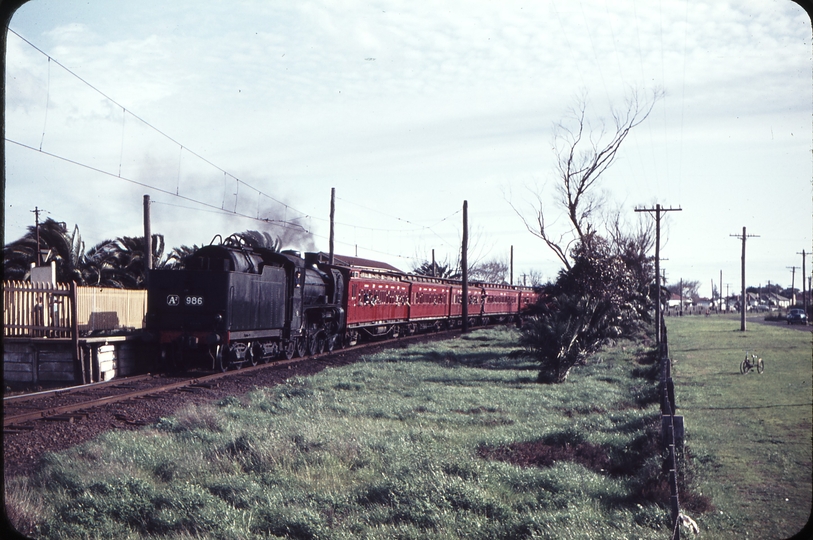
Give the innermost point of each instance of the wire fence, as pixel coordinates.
(672, 430)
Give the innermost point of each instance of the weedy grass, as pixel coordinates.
(412, 443)
(749, 436)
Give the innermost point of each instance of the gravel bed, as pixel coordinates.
(21, 451)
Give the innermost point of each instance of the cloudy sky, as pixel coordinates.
(256, 110)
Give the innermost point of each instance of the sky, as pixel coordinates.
(244, 115)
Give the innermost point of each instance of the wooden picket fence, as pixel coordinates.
(110, 309)
(43, 310)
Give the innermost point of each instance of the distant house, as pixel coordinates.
(703, 303)
(777, 300)
(673, 300)
(346, 260)
(752, 300)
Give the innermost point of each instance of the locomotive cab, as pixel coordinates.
(231, 305)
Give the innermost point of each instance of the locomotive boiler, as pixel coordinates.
(233, 305)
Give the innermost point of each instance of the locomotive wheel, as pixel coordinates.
(301, 348)
(331, 342)
(253, 354)
(265, 358)
(221, 362)
(290, 349)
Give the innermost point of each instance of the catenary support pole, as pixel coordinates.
(332, 215)
(147, 234)
(465, 267)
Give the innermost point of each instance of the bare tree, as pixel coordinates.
(490, 271)
(534, 278)
(583, 155)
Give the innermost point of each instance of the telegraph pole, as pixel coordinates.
(465, 265)
(658, 209)
(743, 306)
(37, 255)
(511, 274)
(793, 283)
(804, 277)
(720, 293)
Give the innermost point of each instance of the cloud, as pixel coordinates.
(458, 101)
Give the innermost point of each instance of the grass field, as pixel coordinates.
(446, 440)
(750, 436)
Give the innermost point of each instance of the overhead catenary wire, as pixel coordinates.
(142, 120)
(181, 148)
(47, 102)
(149, 186)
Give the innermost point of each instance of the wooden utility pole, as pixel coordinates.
(792, 283)
(743, 303)
(37, 255)
(804, 277)
(658, 209)
(434, 268)
(511, 265)
(332, 215)
(465, 266)
(147, 234)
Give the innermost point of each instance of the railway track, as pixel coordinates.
(74, 403)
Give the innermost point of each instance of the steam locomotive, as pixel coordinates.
(233, 305)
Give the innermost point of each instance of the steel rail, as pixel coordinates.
(83, 406)
(73, 389)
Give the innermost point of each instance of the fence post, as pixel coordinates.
(668, 420)
(77, 355)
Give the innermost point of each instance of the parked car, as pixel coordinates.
(797, 316)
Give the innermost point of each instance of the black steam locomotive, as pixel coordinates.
(234, 305)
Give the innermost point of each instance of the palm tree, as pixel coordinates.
(441, 270)
(257, 239)
(120, 263)
(63, 247)
(176, 258)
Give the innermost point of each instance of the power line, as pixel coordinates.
(161, 190)
(285, 223)
(182, 147)
(658, 209)
(743, 302)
